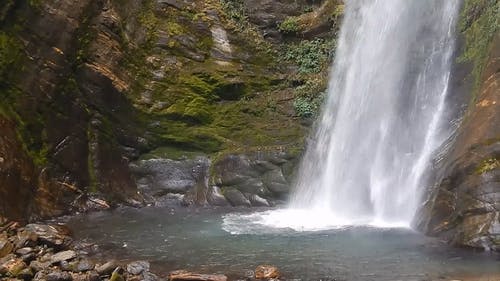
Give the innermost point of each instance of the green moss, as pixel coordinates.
(10, 58)
(196, 111)
(289, 26)
(488, 165)
(169, 152)
(479, 24)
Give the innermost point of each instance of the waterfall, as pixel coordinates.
(385, 115)
(382, 120)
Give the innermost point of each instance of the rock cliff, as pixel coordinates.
(89, 90)
(464, 206)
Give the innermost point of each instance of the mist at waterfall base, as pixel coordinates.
(384, 116)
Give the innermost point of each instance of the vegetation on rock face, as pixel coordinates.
(310, 56)
(309, 97)
(479, 24)
(289, 26)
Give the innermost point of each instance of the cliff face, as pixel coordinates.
(88, 87)
(464, 207)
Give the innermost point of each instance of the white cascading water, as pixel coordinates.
(382, 120)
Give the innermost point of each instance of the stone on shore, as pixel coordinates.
(107, 268)
(267, 272)
(138, 267)
(183, 275)
(63, 256)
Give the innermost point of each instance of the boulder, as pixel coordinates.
(267, 272)
(236, 198)
(258, 201)
(183, 275)
(215, 197)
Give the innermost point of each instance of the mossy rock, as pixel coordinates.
(196, 111)
(215, 86)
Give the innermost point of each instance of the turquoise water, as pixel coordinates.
(194, 239)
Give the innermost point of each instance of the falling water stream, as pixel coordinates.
(382, 120)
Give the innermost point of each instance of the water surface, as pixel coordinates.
(195, 239)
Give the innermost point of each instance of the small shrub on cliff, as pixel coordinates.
(235, 9)
(309, 97)
(310, 56)
(289, 26)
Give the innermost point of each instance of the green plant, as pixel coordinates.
(308, 107)
(310, 56)
(289, 26)
(235, 9)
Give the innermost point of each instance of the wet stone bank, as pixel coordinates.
(48, 252)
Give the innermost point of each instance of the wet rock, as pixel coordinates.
(24, 251)
(146, 276)
(83, 265)
(215, 197)
(267, 272)
(66, 266)
(167, 175)
(117, 275)
(276, 182)
(63, 256)
(12, 267)
(39, 266)
(51, 235)
(7, 258)
(59, 276)
(25, 238)
(258, 201)
(87, 276)
(25, 274)
(236, 198)
(107, 268)
(6, 246)
(28, 257)
(138, 267)
(183, 275)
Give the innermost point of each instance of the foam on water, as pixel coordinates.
(299, 220)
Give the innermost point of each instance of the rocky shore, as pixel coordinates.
(48, 252)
